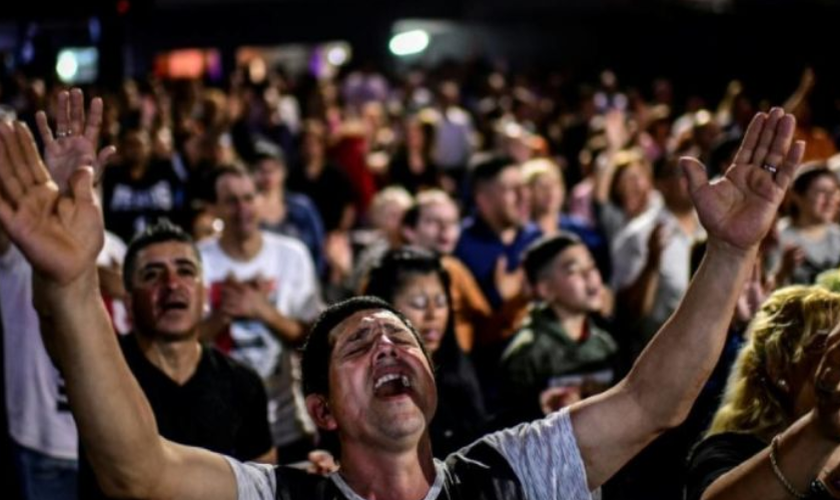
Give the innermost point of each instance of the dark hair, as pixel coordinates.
(211, 178)
(162, 231)
(540, 254)
(808, 175)
(803, 180)
(315, 365)
(388, 276)
(488, 170)
(268, 150)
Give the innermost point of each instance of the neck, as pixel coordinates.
(240, 247)
(506, 232)
(397, 475)
(273, 209)
(809, 223)
(548, 222)
(178, 359)
(685, 218)
(573, 323)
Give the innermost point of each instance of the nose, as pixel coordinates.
(172, 279)
(384, 346)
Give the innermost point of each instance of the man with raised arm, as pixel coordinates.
(366, 374)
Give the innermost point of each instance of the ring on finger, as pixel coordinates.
(63, 133)
(769, 167)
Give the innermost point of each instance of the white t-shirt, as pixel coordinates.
(113, 254)
(39, 417)
(287, 266)
(543, 454)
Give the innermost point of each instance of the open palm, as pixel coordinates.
(59, 233)
(739, 208)
(76, 137)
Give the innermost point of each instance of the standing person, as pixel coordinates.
(200, 397)
(367, 374)
(42, 431)
(560, 355)
(810, 243)
(263, 292)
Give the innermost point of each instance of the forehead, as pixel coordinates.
(511, 174)
(421, 280)
(364, 319)
(573, 254)
(229, 184)
(440, 208)
(167, 251)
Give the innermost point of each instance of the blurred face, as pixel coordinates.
(414, 139)
(820, 201)
(269, 175)
(135, 148)
(499, 200)
(546, 194)
(167, 295)
(674, 188)
(236, 204)
(437, 228)
(422, 300)
(573, 282)
(633, 189)
(389, 217)
(382, 390)
(313, 147)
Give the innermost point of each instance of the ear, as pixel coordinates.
(319, 410)
(408, 234)
(541, 290)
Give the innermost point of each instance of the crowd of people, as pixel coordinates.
(455, 284)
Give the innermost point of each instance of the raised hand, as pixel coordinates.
(76, 138)
(739, 209)
(59, 233)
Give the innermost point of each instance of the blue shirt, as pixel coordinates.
(479, 248)
(302, 222)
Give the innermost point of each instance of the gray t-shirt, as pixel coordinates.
(820, 255)
(543, 454)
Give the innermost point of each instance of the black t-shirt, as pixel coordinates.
(331, 192)
(715, 456)
(129, 205)
(222, 408)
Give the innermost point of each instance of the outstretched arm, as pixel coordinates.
(61, 233)
(737, 211)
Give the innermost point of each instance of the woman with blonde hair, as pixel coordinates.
(775, 429)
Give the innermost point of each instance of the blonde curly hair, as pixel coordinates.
(776, 337)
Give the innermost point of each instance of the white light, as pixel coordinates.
(408, 43)
(337, 55)
(67, 66)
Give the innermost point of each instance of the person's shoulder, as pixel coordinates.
(299, 201)
(223, 363)
(209, 246)
(522, 342)
(726, 444)
(285, 244)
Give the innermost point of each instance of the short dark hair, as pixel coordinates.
(808, 174)
(489, 169)
(211, 178)
(540, 254)
(268, 150)
(162, 231)
(317, 351)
